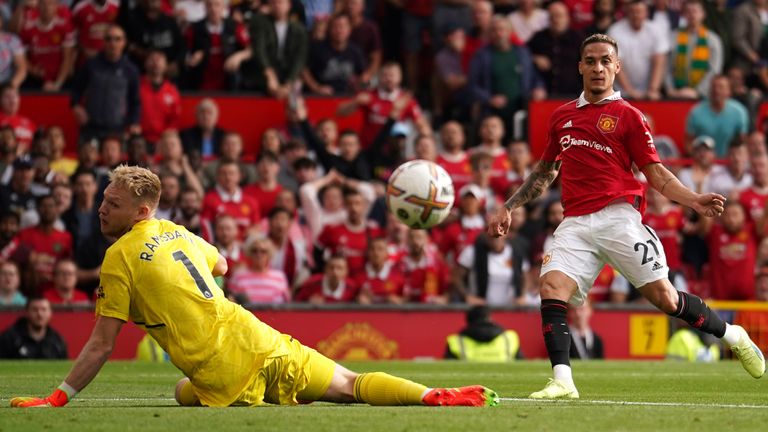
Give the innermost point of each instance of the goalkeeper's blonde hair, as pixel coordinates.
(143, 184)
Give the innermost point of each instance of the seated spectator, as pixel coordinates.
(105, 92)
(150, 29)
(643, 53)
(7, 148)
(611, 286)
(453, 158)
(755, 197)
(60, 162)
(750, 98)
(64, 290)
(719, 117)
(555, 50)
(259, 283)
(482, 340)
(13, 65)
(481, 164)
(491, 142)
(332, 286)
(335, 65)
(205, 136)
(453, 236)
(291, 249)
(365, 34)
(585, 343)
(696, 177)
(90, 19)
(380, 281)
(9, 227)
(451, 93)
(735, 177)
(519, 154)
(229, 243)
(280, 50)
(747, 32)
(761, 283)
(189, 11)
(667, 220)
(167, 207)
(231, 151)
(31, 336)
(137, 152)
(479, 34)
(18, 196)
(174, 161)
(49, 40)
(10, 282)
(190, 203)
(216, 47)
(416, 22)
(528, 19)
(664, 16)
(426, 274)
(160, 100)
(756, 145)
(266, 188)
(23, 127)
(323, 203)
(603, 16)
(696, 57)
(228, 198)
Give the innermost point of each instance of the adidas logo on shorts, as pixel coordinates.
(656, 266)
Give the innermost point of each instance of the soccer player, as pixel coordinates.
(160, 276)
(595, 139)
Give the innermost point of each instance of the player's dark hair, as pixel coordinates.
(277, 211)
(599, 38)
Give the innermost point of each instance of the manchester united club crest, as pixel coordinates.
(607, 123)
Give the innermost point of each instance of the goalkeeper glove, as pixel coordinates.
(63, 394)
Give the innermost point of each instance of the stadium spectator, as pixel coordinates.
(31, 336)
(520, 163)
(332, 286)
(190, 203)
(483, 340)
(450, 91)
(259, 283)
(64, 290)
(349, 238)
(160, 100)
(205, 136)
(552, 218)
(62, 194)
(424, 147)
(380, 281)
(491, 142)
(667, 220)
(335, 65)
(481, 164)
(610, 286)
(151, 29)
(719, 117)
(480, 33)
(603, 14)
(8, 147)
(323, 203)
(228, 198)
(365, 34)
(189, 11)
(105, 94)
(696, 56)
(761, 283)
(492, 271)
(750, 98)
(49, 41)
(23, 127)
(377, 103)
(426, 274)
(555, 49)
(280, 49)
(452, 157)
(9, 227)
(755, 197)
(88, 154)
(455, 234)
(266, 188)
(10, 282)
(582, 14)
(528, 19)
(231, 150)
(664, 15)
(416, 18)
(13, 65)
(229, 243)
(174, 161)
(502, 76)
(291, 249)
(735, 177)
(18, 196)
(696, 177)
(91, 18)
(137, 152)
(60, 162)
(747, 33)
(271, 141)
(296, 167)
(585, 343)
(216, 47)
(168, 206)
(756, 145)
(643, 53)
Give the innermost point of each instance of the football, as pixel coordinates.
(420, 194)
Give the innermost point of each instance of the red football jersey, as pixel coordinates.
(732, 261)
(424, 279)
(458, 168)
(348, 242)
(23, 128)
(668, 227)
(389, 281)
(243, 208)
(376, 113)
(213, 75)
(91, 22)
(53, 296)
(45, 44)
(265, 198)
(160, 108)
(581, 13)
(754, 204)
(452, 238)
(46, 247)
(499, 169)
(597, 144)
(314, 286)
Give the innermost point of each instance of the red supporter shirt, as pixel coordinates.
(91, 21)
(420, 8)
(315, 286)
(581, 13)
(160, 108)
(243, 208)
(46, 247)
(45, 44)
(754, 205)
(351, 243)
(214, 77)
(22, 126)
(601, 288)
(451, 239)
(458, 168)
(54, 297)
(376, 113)
(499, 169)
(265, 198)
(424, 279)
(732, 263)
(597, 144)
(387, 282)
(668, 227)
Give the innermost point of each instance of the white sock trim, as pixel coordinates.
(732, 336)
(68, 389)
(563, 373)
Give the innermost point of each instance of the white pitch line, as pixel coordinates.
(124, 399)
(666, 404)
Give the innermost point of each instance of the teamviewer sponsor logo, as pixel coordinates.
(567, 141)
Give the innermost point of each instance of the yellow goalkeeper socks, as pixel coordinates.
(382, 389)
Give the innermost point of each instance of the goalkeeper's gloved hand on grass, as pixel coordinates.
(58, 398)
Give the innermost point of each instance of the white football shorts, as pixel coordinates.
(615, 235)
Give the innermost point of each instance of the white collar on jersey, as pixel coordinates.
(584, 102)
(228, 197)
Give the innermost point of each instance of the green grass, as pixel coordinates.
(129, 396)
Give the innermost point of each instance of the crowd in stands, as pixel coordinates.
(304, 219)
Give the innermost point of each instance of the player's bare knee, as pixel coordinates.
(557, 286)
(662, 295)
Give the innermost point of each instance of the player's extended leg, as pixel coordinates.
(556, 289)
(184, 394)
(695, 312)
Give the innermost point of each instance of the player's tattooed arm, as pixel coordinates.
(533, 186)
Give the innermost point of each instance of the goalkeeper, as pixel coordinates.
(160, 276)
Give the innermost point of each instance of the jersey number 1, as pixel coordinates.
(199, 281)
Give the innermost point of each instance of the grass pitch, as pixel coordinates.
(616, 396)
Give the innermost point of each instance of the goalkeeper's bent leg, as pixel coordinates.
(378, 388)
(184, 394)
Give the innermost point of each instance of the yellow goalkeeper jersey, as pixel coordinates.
(158, 275)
